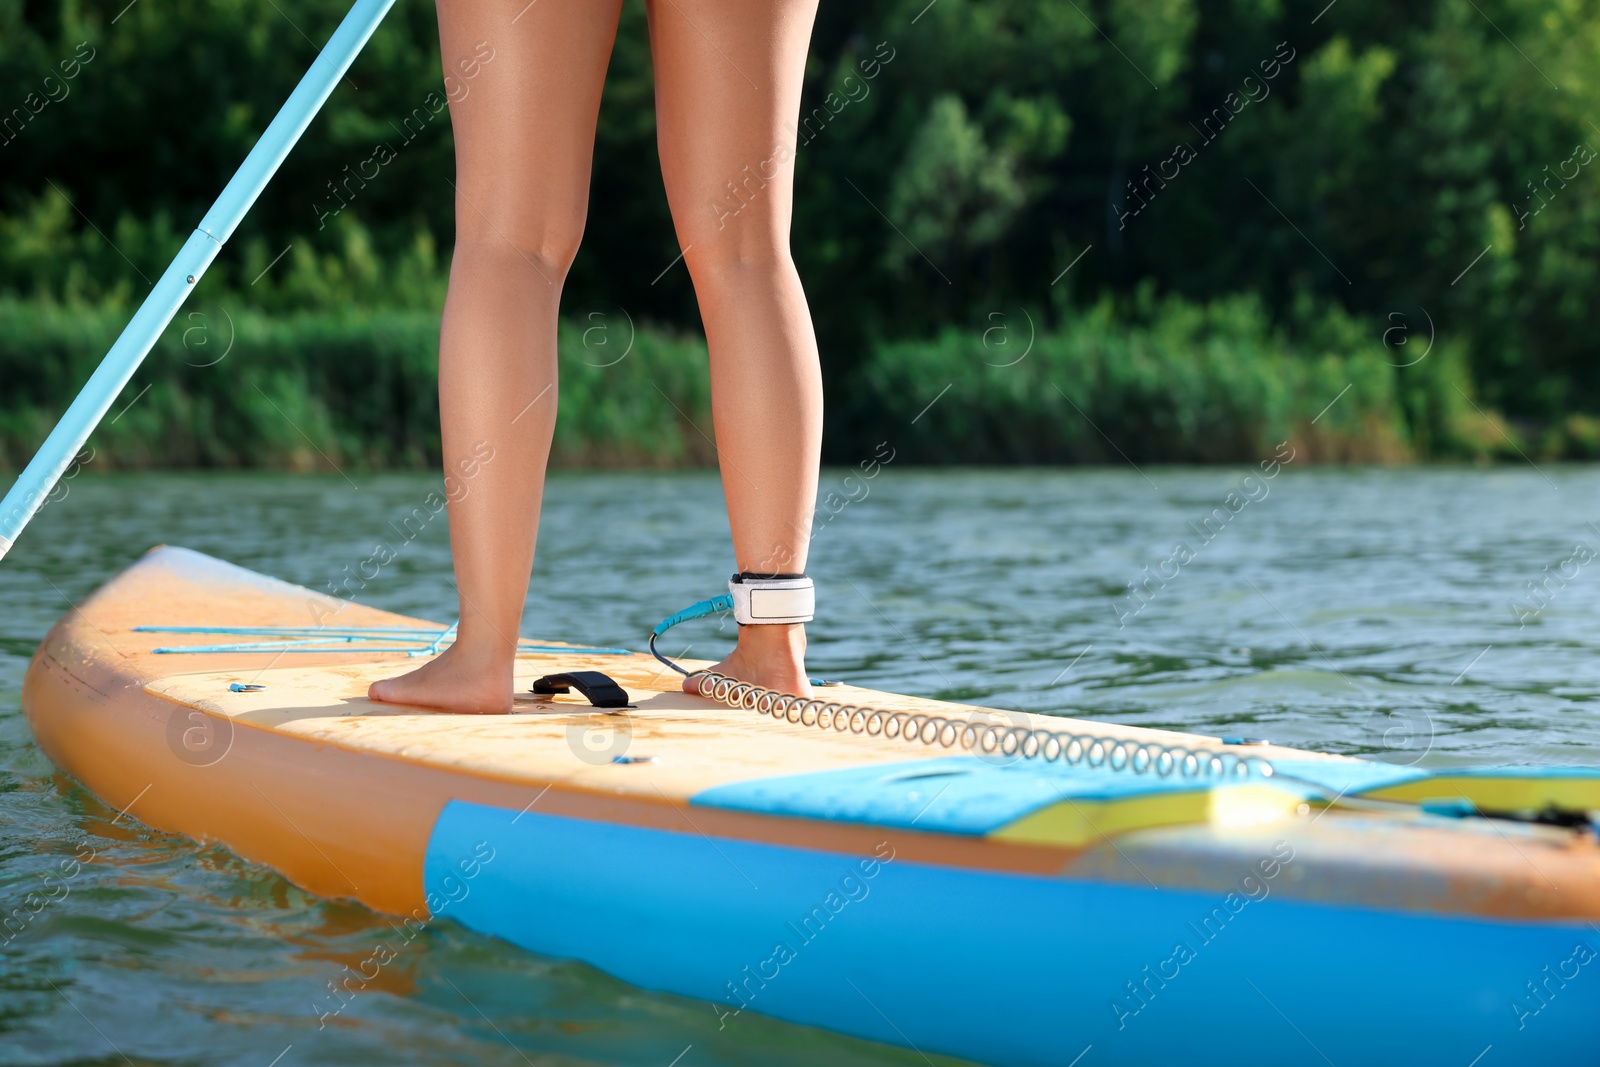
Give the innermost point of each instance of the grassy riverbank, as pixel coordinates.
(1159, 381)
(302, 391)
(1178, 382)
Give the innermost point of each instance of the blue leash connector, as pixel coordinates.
(698, 610)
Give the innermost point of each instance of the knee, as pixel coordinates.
(711, 254)
(547, 245)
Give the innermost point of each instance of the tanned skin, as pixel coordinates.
(728, 79)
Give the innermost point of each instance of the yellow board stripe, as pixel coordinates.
(1500, 792)
(1073, 823)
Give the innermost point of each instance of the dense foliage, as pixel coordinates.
(1185, 382)
(1413, 172)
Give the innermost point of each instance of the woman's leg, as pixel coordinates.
(728, 77)
(524, 129)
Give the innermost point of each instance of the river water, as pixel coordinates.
(1377, 612)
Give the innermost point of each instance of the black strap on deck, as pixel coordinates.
(598, 688)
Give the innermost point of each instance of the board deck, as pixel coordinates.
(676, 869)
(696, 745)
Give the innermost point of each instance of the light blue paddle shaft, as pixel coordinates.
(108, 380)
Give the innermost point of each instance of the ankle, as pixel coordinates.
(767, 641)
(475, 652)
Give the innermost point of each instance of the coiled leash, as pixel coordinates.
(757, 599)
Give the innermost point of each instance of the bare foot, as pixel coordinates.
(770, 656)
(453, 681)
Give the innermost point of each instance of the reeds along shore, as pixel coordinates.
(1168, 381)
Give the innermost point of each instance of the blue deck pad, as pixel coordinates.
(1517, 772)
(1344, 777)
(953, 794)
(1354, 777)
(1016, 970)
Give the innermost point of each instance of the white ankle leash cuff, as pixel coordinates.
(784, 598)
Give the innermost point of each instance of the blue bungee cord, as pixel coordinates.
(410, 640)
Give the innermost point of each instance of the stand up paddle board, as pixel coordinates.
(1013, 889)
